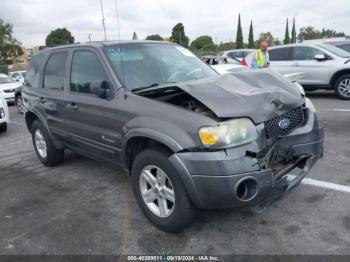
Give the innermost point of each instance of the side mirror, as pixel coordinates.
(320, 57)
(100, 88)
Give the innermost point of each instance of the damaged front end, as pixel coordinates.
(262, 166)
(255, 174)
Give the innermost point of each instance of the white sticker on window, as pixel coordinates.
(184, 51)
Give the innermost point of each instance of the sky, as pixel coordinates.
(34, 19)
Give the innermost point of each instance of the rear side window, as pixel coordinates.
(55, 70)
(86, 68)
(280, 54)
(32, 77)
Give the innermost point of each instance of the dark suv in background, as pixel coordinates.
(190, 138)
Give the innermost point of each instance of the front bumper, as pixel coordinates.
(212, 178)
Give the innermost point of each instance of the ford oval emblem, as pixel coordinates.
(284, 123)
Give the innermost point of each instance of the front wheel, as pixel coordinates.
(19, 104)
(342, 87)
(160, 193)
(44, 147)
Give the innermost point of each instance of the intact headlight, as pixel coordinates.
(310, 105)
(2, 113)
(229, 133)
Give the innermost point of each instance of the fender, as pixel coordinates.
(57, 144)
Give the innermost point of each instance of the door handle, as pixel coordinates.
(72, 106)
(296, 64)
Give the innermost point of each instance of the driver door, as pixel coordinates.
(91, 120)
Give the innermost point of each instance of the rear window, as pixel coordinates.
(32, 77)
(280, 54)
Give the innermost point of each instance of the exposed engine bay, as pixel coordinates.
(180, 98)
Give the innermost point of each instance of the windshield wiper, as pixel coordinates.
(151, 86)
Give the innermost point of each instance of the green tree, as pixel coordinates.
(309, 32)
(267, 37)
(327, 33)
(294, 33)
(59, 36)
(226, 46)
(286, 35)
(9, 46)
(178, 35)
(154, 37)
(251, 43)
(203, 43)
(239, 36)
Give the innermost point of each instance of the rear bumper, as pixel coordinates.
(212, 178)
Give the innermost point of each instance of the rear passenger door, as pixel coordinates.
(91, 120)
(281, 60)
(51, 98)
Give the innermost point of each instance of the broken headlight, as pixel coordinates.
(231, 133)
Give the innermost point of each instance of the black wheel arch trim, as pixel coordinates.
(338, 74)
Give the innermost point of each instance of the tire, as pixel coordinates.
(342, 87)
(19, 104)
(3, 127)
(44, 147)
(182, 212)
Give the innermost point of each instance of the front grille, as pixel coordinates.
(9, 90)
(296, 119)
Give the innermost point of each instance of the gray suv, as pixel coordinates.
(190, 138)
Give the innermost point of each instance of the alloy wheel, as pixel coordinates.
(40, 143)
(157, 191)
(344, 87)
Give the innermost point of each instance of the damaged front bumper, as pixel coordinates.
(238, 177)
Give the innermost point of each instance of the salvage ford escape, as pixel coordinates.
(190, 138)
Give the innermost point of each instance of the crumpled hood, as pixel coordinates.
(259, 95)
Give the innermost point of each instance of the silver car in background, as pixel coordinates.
(325, 66)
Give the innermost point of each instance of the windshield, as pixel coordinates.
(141, 66)
(335, 50)
(5, 80)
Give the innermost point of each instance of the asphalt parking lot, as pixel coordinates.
(85, 207)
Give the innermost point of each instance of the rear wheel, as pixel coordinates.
(342, 87)
(19, 104)
(44, 147)
(160, 193)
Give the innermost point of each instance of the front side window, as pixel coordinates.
(55, 71)
(143, 65)
(303, 53)
(86, 69)
(280, 54)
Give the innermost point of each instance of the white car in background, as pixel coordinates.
(18, 76)
(8, 87)
(325, 66)
(223, 64)
(4, 114)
